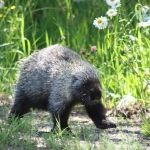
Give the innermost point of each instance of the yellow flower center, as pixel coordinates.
(99, 21)
(1, 15)
(111, 12)
(13, 7)
(112, 0)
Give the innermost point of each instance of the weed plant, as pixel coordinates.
(146, 125)
(17, 135)
(122, 62)
(24, 135)
(122, 58)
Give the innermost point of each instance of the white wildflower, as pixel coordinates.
(117, 5)
(144, 9)
(143, 14)
(113, 3)
(78, 0)
(144, 17)
(133, 38)
(112, 12)
(144, 24)
(100, 22)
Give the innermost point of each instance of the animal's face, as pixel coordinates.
(87, 91)
(91, 93)
(95, 93)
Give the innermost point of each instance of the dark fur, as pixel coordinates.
(55, 79)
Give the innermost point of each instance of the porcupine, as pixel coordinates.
(55, 79)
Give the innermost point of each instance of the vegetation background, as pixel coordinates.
(122, 58)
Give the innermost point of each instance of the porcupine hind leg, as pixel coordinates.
(21, 106)
(60, 117)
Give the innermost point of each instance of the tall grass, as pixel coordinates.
(121, 62)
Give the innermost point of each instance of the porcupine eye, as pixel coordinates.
(95, 94)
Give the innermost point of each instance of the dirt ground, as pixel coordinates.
(126, 128)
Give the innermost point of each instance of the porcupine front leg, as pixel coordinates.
(97, 113)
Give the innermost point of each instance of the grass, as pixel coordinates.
(146, 125)
(17, 134)
(26, 134)
(122, 62)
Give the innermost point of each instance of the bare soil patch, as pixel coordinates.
(128, 126)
